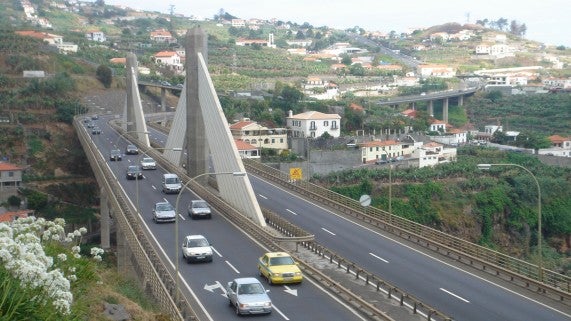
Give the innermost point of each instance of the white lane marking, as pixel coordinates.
(153, 186)
(378, 257)
(262, 196)
(290, 291)
(326, 230)
(454, 295)
(294, 213)
(232, 267)
(216, 251)
(181, 217)
(280, 312)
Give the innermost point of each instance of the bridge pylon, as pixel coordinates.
(201, 128)
(133, 118)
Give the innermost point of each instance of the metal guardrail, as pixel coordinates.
(525, 274)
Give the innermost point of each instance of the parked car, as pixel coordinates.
(96, 130)
(134, 172)
(90, 124)
(279, 267)
(248, 296)
(115, 155)
(148, 163)
(196, 248)
(381, 161)
(131, 150)
(164, 212)
(171, 183)
(95, 117)
(199, 208)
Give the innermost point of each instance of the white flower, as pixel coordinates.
(82, 230)
(62, 257)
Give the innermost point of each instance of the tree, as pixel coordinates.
(502, 23)
(105, 75)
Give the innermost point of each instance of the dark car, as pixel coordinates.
(90, 124)
(96, 130)
(134, 172)
(131, 150)
(115, 155)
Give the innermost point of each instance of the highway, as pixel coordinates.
(235, 253)
(457, 293)
(453, 291)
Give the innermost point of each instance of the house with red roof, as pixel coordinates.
(560, 146)
(10, 180)
(252, 133)
(162, 36)
(374, 150)
(169, 59)
(247, 150)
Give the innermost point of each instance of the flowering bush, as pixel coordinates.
(43, 260)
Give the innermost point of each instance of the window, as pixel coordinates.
(273, 140)
(325, 123)
(266, 141)
(10, 174)
(281, 140)
(312, 125)
(334, 124)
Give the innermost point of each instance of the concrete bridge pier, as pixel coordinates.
(125, 257)
(460, 100)
(445, 110)
(163, 99)
(105, 220)
(431, 108)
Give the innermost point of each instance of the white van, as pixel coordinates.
(171, 183)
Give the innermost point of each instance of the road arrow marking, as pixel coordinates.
(290, 291)
(213, 286)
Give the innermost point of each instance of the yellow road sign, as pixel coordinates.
(295, 173)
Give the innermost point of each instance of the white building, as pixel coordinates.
(433, 153)
(259, 136)
(168, 58)
(313, 124)
(96, 36)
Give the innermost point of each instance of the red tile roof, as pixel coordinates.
(556, 139)
(9, 167)
(242, 145)
(241, 124)
(379, 143)
(10, 216)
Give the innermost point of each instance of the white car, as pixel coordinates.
(164, 212)
(148, 163)
(248, 296)
(196, 248)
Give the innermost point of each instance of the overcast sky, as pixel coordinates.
(547, 21)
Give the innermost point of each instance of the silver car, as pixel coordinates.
(196, 248)
(164, 212)
(199, 208)
(148, 163)
(248, 296)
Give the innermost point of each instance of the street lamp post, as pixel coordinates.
(390, 187)
(185, 186)
(540, 265)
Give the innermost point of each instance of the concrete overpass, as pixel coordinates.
(445, 96)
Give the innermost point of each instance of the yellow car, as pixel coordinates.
(279, 267)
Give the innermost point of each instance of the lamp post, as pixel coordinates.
(540, 265)
(185, 186)
(390, 186)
